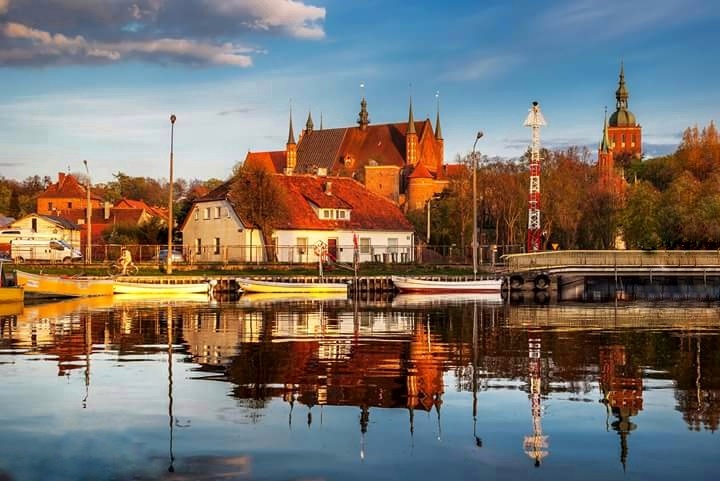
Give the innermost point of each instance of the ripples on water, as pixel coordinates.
(405, 388)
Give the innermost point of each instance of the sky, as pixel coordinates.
(97, 80)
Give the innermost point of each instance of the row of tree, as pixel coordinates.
(670, 202)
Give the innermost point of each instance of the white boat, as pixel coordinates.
(125, 287)
(46, 285)
(411, 284)
(252, 285)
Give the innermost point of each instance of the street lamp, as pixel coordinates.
(474, 181)
(88, 217)
(170, 198)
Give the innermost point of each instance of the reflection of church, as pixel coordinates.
(622, 386)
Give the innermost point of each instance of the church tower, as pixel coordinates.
(624, 131)
(606, 163)
(439, 139)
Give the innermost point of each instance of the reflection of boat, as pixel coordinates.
(252, 285)
(124, 287)
(10, 308)
(273, 297)
(45, 285)
(410, 284)
(160, 299)
(410, 300)
(55, 310)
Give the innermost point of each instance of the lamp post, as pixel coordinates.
(474, 181)
(88, 217)
(428, 220)
(170, 198)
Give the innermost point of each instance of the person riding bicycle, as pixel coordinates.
(125, 260)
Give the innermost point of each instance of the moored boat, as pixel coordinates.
(126, 287)
(46, 285)
(252, 285)
(411, 284)
(11, 294)
(258, 298)
(11, 308)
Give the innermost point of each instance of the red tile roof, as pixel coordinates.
(272, 161)
(368, 211)
(420, 172)
(67, 186)
(139, 204)
(456, 170)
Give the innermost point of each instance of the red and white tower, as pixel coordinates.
(534, 120)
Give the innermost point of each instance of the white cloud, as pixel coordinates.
(296, 18)
(4, 4)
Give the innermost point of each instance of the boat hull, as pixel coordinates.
(44, 285)
(11, 295)
(409, 284)
(123, 287)
(251, 285)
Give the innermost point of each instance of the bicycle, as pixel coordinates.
(116, 269)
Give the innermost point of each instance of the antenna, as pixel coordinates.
(534, 120)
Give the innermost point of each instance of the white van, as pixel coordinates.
(53, 250)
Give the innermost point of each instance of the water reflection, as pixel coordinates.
(397, 380)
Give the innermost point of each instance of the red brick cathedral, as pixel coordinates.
(402, 161)
(621, 140)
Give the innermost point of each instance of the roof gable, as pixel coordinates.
(271, 161)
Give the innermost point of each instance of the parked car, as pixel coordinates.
(177, 256)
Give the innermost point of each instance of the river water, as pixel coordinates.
(407, 388)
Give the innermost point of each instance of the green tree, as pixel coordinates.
(641, 226)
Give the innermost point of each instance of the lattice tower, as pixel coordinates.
(534, 120)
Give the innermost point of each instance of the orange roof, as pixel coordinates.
(67, 186)
(140, 204)
(272, 161)
(456, 170)
(369, 211)
(420, 172)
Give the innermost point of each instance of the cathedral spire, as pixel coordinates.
(438, 130)
(291, 134)
(309, 124)
(411, 121)
(363, 119)
(605, 145)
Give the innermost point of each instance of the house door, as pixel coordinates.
(332, 249)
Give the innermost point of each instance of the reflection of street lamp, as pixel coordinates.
(474, 181)
(88, 217)
(170, 198)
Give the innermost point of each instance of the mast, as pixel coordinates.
(474, 182)
(534, 120)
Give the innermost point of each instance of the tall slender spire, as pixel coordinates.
(621, 94)
(291, 134)
(309, 124)
(411, 121)
(321, 119)
(438, 130)
(605, 145)
(363, 119)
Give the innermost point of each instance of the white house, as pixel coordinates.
(328, 215)
(37, 226)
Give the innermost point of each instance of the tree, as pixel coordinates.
(260, 200)
(641, 225)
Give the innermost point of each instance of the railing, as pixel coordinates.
(619, 258)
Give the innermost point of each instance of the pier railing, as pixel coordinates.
(619, 258)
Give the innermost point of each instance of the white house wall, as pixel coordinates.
(237, 244)
(380, 249)
(48, 230)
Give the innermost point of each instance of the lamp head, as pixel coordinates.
(172, 119)
(479, 134)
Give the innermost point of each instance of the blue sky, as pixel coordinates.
(98, 80)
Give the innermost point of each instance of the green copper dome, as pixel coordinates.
(622, 118)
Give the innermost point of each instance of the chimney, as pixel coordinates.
(321, 172)
(327, 187)
(106, 210)
(61, 177)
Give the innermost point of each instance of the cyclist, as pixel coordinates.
(125, 260)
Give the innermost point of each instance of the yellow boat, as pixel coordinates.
(11, 308)
(125, 287)
(45, 285)
(11, 294)
(252, 285)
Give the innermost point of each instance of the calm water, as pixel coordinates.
(404, 389)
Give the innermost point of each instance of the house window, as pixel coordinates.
(392, 245)
(217, 212)
(207, 213)
(326, 214)
(197, 214)
(69, 205)
(341, 214)
(364, 245)
(217, 245)
(34, 225)
(50, 206)
(301, 243)
(198, 246)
